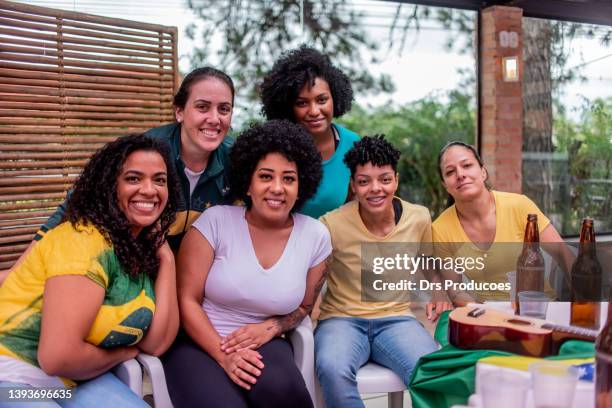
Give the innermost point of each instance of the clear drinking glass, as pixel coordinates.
(533, 304)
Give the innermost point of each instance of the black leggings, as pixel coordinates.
(195, 379)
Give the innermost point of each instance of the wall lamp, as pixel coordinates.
(510, 69)
(510, 66)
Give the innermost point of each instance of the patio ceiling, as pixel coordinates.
(582, 11)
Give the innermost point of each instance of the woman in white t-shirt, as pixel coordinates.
(247, 274)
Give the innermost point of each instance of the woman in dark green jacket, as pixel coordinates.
(198, 145)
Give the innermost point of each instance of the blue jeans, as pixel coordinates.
(105, 390)
(344, 344)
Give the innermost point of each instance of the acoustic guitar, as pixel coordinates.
(484, 328)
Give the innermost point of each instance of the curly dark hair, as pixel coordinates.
(94, 202)
(296, 68)
(199, 74)
(275, 136)
(375, 149)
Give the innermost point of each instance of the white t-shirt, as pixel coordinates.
(19, 371)
(193, 178)
(238, 289)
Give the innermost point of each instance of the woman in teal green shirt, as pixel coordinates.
(304, 87)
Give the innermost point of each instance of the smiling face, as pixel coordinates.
(463, 177)
(274, 188)
(142, 190)
(206, 117)
(374, 187)
(314, 108)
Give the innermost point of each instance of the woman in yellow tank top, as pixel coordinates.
(483, 223)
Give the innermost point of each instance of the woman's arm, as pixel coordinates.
(314, 282)
(70, 306)
(165, 323)
(195, 259)
(255, 335)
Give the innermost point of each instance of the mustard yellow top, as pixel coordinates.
(511, 212)
(348, 232)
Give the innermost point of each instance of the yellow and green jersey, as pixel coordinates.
(126, 312)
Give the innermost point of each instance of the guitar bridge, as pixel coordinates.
(476, 312)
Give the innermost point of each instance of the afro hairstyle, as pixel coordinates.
(295, 69)
(375, 149)
(276, 136)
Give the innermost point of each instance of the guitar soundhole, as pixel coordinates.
(519, 322)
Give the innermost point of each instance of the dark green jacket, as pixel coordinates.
(212, 188)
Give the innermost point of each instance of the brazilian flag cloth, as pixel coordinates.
(446, 377)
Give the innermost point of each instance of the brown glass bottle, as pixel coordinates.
(530, 264)
(603, 364)
(586, 278)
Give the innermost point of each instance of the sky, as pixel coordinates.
(424, 67)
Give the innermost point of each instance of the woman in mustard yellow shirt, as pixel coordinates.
(383, 329)
(481, 217)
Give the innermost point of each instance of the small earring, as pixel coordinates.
(248, 193)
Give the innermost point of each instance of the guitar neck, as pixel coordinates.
(571, 332)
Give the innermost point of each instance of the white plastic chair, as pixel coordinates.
(374, 378)
(153, 367)
(130, 373)
(371, 378)
(301, 340)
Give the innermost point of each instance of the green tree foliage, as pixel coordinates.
(420, 129)
(249, 35)
(588, 145)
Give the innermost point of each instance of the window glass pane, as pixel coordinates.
(567, 122)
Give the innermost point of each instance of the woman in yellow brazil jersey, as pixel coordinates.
(100, 288)
(482, 223)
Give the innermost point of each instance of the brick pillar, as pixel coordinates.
(501, 121)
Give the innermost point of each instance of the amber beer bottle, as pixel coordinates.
(603, 364)
(530, 264)
(586, 280)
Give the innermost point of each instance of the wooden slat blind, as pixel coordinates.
(70, 82)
